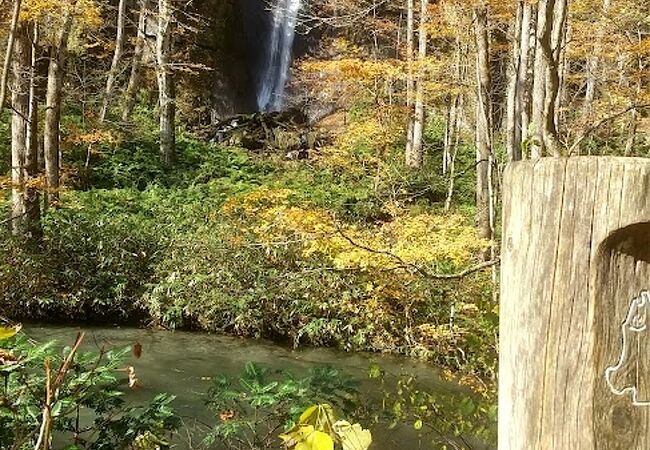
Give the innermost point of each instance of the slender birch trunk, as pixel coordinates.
(9, 53)
(34, 84)
(33, 208)
(483, 125)
(452, 160)
(415, 159)
(410, 83)
(21, 61)
(524, 91)
(561, 97)
(52, 129)
(166, 86)
(452, 114)
(133, 86)
(551, 43)
(117, 58)
(513, 116)
(539, 81)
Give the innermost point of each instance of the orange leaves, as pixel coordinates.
(96, 136)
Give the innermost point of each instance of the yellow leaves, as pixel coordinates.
(412, 239)
(356, 69)
(352, 437)
(7, 358)
(312, 430)
(418, 239)
(358, 149)
(7, 332)
(320, 416)
(85, 12)
(317, 429)
(256, 200)
(369, 134)
(305, 437)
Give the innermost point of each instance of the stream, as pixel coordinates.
(182, 364)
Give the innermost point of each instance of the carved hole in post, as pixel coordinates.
(622, 336)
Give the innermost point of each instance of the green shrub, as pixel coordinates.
(90, 384)
(260, 404)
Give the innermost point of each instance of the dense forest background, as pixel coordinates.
(143, 182)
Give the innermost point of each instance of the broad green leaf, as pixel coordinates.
(352, 437)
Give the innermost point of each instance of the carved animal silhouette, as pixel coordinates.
(631, 376)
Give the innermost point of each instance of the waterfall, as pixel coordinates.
(275, 71)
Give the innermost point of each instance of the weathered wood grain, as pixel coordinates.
(575, 253)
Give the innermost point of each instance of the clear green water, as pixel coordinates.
(182, 363)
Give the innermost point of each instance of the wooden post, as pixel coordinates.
(574, 348)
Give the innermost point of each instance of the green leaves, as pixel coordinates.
(93, 386)
(262, 399)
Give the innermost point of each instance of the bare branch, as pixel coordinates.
(602, 122)
(407, 265)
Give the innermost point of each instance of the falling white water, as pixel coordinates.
(270, 93)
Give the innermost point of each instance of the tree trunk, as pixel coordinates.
(551, 22)
(573, 339)
(9, 53)
(556, 25)
(513, 116)
(53, 110)
(166, 86)
(452, 160)
(133, 86)
(117, 58)
(524, 88)
(450, 132)
(21, 62)
(414, 160)
(33, 210)
(34, 84)
(562, 74)
(483, 124)
(410, 82)
(453, 112)
(539, 80)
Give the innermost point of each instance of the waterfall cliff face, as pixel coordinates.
(279, 55)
